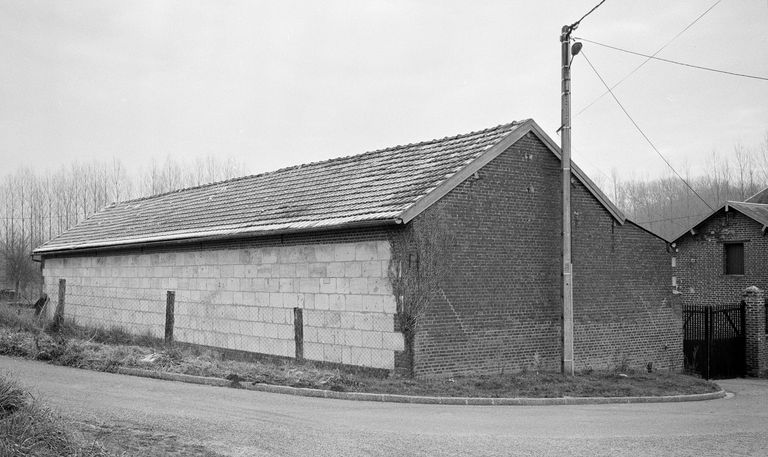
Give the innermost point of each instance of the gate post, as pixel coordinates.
(707, 339)
(754, 332)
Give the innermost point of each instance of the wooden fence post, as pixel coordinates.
(298, 329)
(58, 315)
(170, 300)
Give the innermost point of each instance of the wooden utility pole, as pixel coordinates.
(565, 125)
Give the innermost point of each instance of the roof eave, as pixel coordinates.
(699, 222)
(110, 246)
(648, 231)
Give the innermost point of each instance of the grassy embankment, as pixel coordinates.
(22, 335)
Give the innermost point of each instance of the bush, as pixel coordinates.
(12, 397)
(18, 318)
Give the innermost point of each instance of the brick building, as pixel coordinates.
(723, 260)
(723, 254)
(465, 230)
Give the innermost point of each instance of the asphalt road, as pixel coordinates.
(236, 422)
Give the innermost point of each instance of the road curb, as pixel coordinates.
(414, 399)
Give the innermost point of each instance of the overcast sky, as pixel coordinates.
(286, 82)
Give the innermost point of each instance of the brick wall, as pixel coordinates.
(499, 308)
(241, 295)
(624, 311)
(699, 269)
(756, 351)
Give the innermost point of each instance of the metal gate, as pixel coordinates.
(713, 340)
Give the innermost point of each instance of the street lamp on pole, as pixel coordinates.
(565, 126)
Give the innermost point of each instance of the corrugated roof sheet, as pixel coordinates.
(366, 188)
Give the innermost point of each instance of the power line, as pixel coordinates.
(743, 75)
(576, 24)
(671, 219)
(643, 133)
(648, 59)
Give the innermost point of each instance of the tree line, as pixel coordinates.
(667, 206)
(36, 206)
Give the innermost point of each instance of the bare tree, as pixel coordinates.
(743, 167)
(667, 206)
(172, 175)
(20, 269)
(762, 158)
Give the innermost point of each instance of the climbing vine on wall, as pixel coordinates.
(418, 267)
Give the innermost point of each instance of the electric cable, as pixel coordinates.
(671, 219)
(648, 59)
(576, 24)
(643, 133)
(743, 75)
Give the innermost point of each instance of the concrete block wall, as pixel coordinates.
(97, 297)
(243, 297)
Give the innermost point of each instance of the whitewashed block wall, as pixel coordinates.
(243, 299)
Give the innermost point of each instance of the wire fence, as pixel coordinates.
(327, 328)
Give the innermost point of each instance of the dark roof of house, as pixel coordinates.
(756, 211)
(390, 185)
(760, 197)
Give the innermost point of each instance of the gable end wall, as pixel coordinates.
(499, 309)
(700, 271)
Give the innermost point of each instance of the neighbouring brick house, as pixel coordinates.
(332, 239)
(721, 255)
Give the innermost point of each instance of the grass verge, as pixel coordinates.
(28, 428)
(107, 350)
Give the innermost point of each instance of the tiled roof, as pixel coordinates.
(760, 197)
(391, 185)
(374, 186)
(756, 211)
